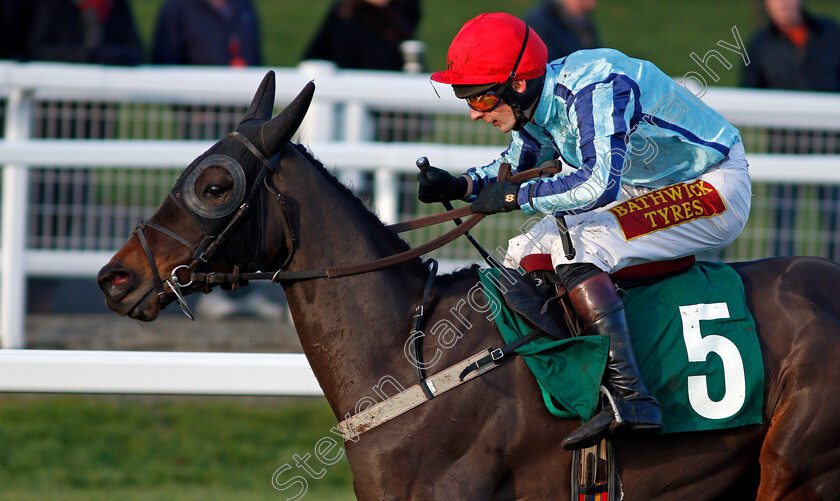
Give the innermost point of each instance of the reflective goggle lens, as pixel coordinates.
(484, 102)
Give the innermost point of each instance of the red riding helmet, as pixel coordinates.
(486, 49)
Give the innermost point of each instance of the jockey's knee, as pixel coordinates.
(573, 274)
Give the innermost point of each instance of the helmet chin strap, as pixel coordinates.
(529, 97)
(524, 104)
(520, 116)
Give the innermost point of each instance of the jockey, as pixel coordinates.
(649, 173)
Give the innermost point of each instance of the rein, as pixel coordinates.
(377, 264)
(208, 246)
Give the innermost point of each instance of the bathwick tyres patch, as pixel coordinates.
(667, 207)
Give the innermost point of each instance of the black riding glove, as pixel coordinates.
(496, 197)
(437, 185)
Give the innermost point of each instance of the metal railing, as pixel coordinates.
(88, 151)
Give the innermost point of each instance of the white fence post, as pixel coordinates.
(319, 123)
(386, 194)
(13, 237)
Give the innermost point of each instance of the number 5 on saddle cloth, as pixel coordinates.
(693, 335)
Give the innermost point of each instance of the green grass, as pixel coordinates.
(663, 32)
(92, 448)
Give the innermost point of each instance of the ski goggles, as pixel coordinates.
(485, 102)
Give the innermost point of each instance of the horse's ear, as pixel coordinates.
(278, 131)
(263, 103)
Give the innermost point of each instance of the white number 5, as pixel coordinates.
(699, 348)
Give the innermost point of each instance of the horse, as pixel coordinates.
(491, 438)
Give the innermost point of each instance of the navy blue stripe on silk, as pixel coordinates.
(637, 92)
(563, 92)
(685, 132)
(621, 97)
(568, 96)
(530, 151)
(586, 123)
(569, 182)
(586, 126)
(624, 83)
(616, 161)
(622, 93)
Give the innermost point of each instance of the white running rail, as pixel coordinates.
(335, 128)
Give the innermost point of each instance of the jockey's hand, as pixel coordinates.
(437, 185)
(496, 197)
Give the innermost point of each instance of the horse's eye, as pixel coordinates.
(214, 191)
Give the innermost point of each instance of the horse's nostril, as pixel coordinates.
(118, 278)
(115, 282)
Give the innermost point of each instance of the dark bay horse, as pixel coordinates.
(491, 438)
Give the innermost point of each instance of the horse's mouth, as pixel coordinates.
(146, 308)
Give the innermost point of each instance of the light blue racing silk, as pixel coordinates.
(613, 119)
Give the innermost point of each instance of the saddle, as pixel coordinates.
(533, 297)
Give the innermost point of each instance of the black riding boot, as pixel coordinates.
(602, 311)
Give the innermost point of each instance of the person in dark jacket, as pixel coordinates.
(564, 25)
(83, 31)
(365, 34)
(207, 32)
(796, 51)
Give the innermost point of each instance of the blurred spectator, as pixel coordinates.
(83, 31)
(795, 50)
(207, 32)
(365, 34)
(216, 33)
(564, 25)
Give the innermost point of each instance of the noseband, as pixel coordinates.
(207, 247)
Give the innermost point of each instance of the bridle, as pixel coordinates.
(210, 244)
(207, 247)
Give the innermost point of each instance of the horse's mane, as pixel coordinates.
(443, 281)
(368, 215)
(446, 281)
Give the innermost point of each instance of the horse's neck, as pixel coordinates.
(352, 329)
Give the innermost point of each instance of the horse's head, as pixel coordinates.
(212, 219)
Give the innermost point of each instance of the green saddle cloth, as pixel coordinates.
(694, 340)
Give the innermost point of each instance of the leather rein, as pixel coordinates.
(209, 244)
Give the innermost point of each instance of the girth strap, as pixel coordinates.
(443, 381)
(403, 402)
